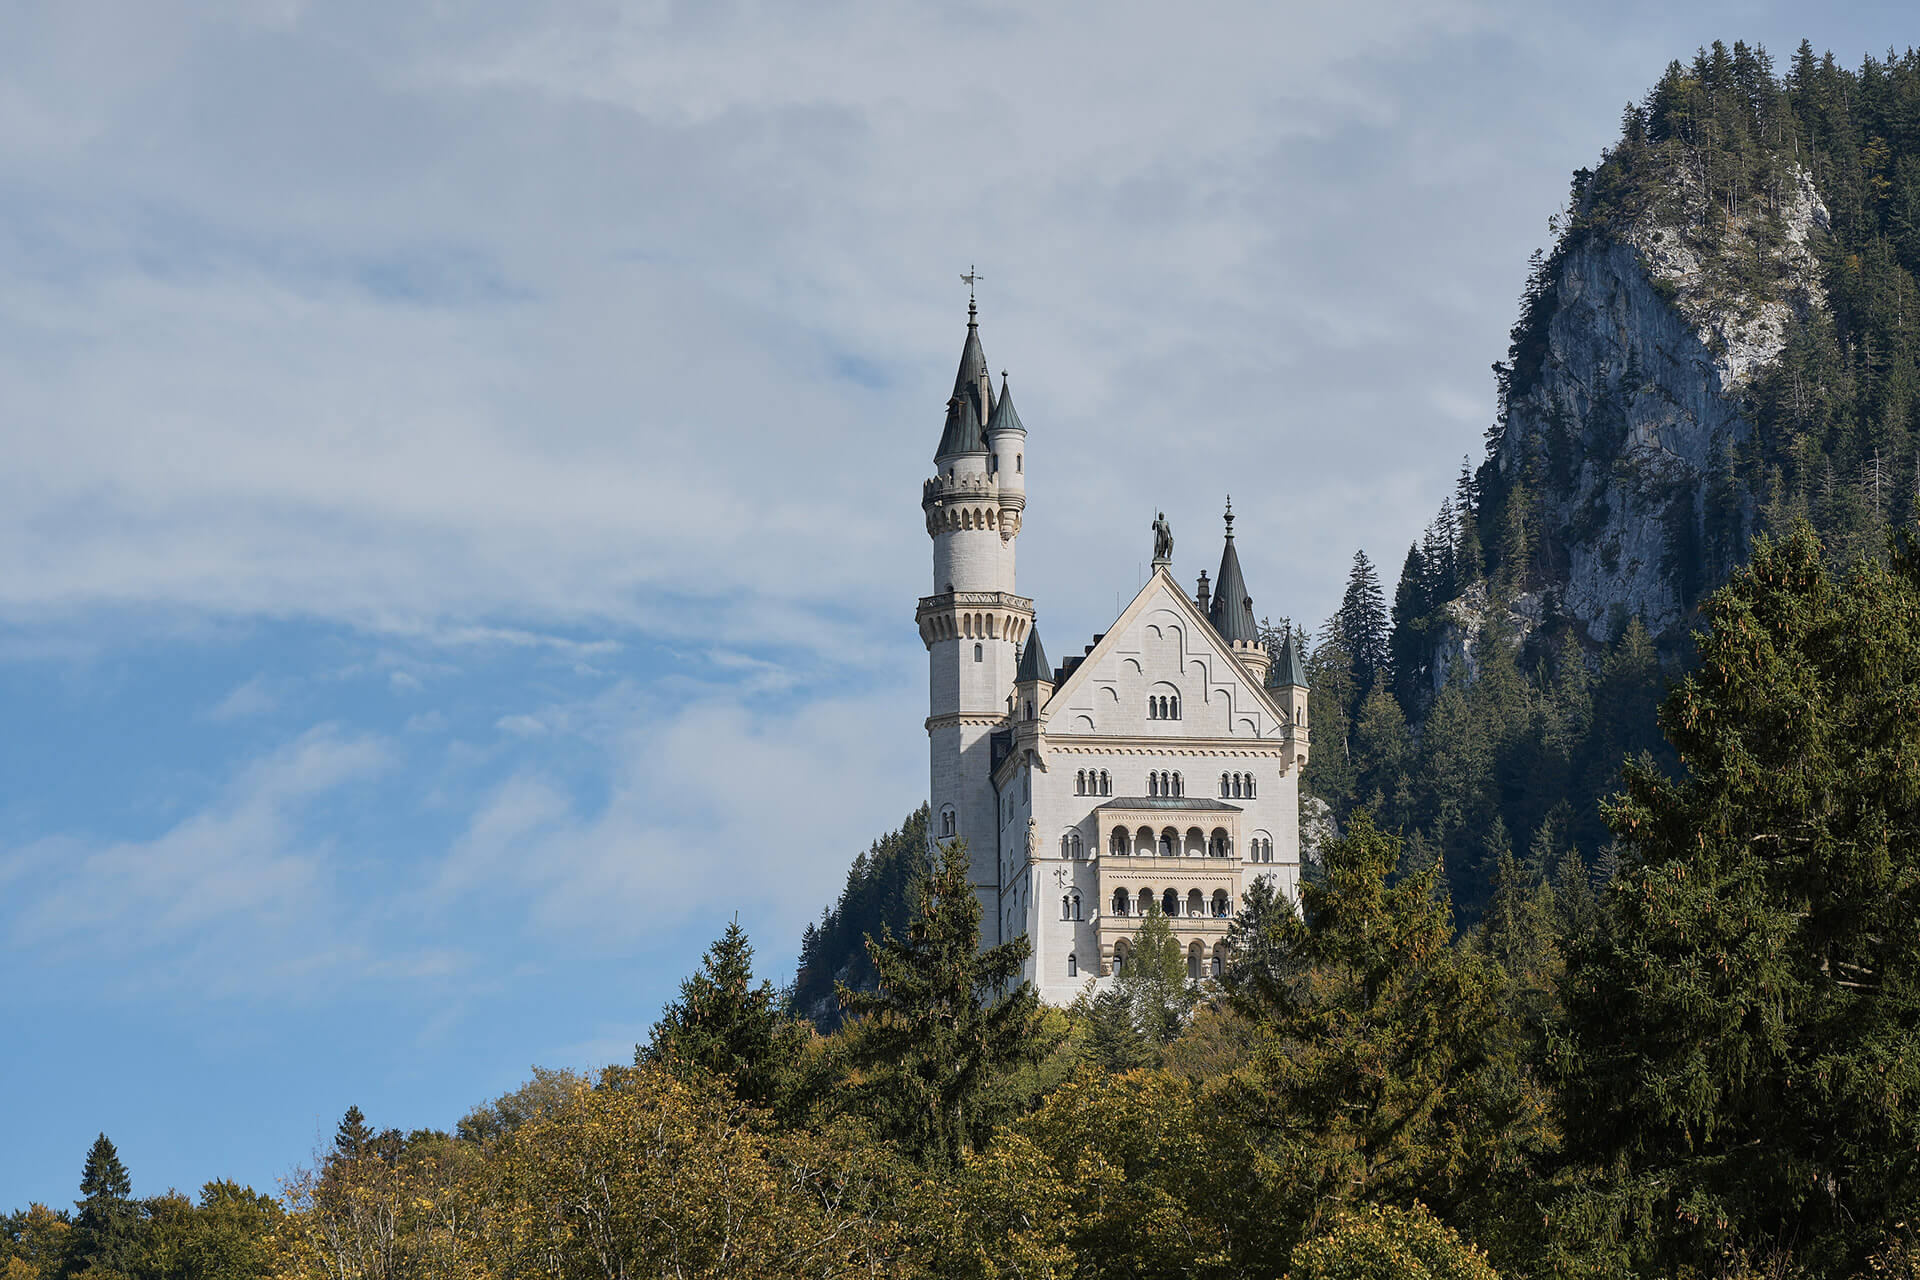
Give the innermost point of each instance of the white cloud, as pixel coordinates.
(229, 896)
(726, 804)
(253, 698)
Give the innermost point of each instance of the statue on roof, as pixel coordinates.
(1162, 540)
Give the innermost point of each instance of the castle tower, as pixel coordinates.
(1231, 611)
(973, 623)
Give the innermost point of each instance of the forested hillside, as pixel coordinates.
(1700, 1058)
(1720, 342)
(1708, 1068)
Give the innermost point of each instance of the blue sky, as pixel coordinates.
(459, 535)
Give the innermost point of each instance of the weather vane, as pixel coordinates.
(968, 280)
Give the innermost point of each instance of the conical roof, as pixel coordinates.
(1232, 609)
(971, 405)
(1005, 418)
(1033, 661)
(1289, 670)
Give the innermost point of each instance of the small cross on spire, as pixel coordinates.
(1229, 517)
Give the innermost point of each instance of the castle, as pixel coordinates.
(1162, 765)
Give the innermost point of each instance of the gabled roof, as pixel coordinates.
(1232, 609)
(1033, 661)
(1004, 417)
(1159, 582)
(1289, 670)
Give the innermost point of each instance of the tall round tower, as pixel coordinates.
(973, 622)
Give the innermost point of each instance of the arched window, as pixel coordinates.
(1194, 907)
(1170, 903)
(1066, 908)
(1143, 842)
(1073, 965)
(1065, 850)
(1194, 956)
(1119, 902)
(1179, 786)
(946, 822)
(1169, 848)
(1079, 850)
(1106, 783)
(1250, 790)
(1153, 708)
(1174, 707)
(1080, 783)
(1117, 842)
(1145, 901)
(1076, 906)
(1223, 786)
(1120, 950)
(1220, 905)
(978, 653)
(1153, 784)
(1216, 964)
(1236, 786)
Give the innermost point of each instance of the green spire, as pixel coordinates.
(1033, 661)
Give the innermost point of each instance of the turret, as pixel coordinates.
(1007, 444)
(1231, 611)
(1289, 688)
(1033, 682)
(964, 502)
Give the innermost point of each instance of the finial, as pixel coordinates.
(1229, 517)
(968, 280)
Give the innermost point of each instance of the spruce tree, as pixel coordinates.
(1409, 639)
(946, 1018)
(1359, 626)
(1743, 1042)
(106, 1228)
(722, 1025)
(352, 1135)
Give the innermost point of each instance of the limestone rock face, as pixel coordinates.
(1317, 827)
(1648, 346)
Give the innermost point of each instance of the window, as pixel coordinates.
(1236, 786)
(1193, 903)
(1080, 783)
(946, 822)
(1170, 903)
(1179, 787)
(1119, 902)
(1193, 963)
(1175, 701)
(1117, 843)
(1224, 793)
(1216, 964)
(1076, 906)
(1019, 463)
(1153, 784)
(1106, 783)
(1250, 793)
(978, 653)
(1220, 904)
(1168, 848)
(1066, 908)
(1073, 965)
(1146, 901)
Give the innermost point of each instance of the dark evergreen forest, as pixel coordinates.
(1520, 758)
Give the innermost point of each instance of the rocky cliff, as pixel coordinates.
(1647, 338)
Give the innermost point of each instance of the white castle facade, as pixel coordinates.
(1161, 765)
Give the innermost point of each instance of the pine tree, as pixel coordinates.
(1378, 1089)
(106, 1228)
(1409, 640)
(722, 1025)
(1743, 1039)
(1154, 981)
(1359, 628)
(1466, 506)
(352, 1135)
(946, 1018)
